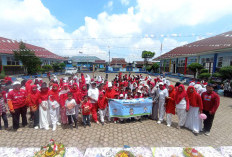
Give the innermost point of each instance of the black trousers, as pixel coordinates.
(70, 117)
(86, 119)
(4, 117)
(36, 118)
(208, 122)
(15, 116)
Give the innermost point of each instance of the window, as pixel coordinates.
(11, 61)
(220, 61)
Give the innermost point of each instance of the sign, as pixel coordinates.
(124, 108)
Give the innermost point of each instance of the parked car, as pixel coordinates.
(70, 71)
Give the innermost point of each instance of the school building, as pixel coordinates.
(11, 66)
(213, 53)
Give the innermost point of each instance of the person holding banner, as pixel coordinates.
(163, 94)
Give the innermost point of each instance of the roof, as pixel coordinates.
(7, 46)
(100, 61)
(218, 42)
(85, 58)
(118, 61)
(142, 62)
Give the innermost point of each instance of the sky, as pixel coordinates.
(123, 27)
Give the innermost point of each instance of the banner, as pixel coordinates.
(124, 108)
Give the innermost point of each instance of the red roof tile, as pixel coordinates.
(100, 61)
(7, 46)
(118, 61)
(221, 41)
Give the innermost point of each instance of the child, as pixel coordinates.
(86, 110)
(70, 104)
(3, 113)
(170, 105)
(102, 103)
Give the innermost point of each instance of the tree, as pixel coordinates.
(62, 65)
(47, 68)
(226, 72)
(155, 67)
(56, 67)
(28, 58)
(147, 55)
(195, 67)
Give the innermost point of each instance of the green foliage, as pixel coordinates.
(147, 54)
(62, 65)
(46, 68)
(56, 67)
(195, 67)
(226, 72)
(27, 57)
(204, 71)
(74, 65)
(155, 67)
(149, 68)
(204, 76)
(218, 75)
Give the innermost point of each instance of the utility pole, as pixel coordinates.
(109, 54)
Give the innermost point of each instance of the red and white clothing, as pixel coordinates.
(171, 107)
(93, 94)
(86, 108)
(17, 98)
(102, 106)
(210, 101)
(44, 115)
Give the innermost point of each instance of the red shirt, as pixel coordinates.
(210, 101)
(102, 102)
(18, 98)
(87, 104)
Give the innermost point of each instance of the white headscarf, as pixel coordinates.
(87, 79)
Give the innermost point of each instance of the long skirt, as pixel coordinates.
(44, 115)
(77, 111)
(193, 122)
(63, 116)
(155, 109)
(182, 114)
(161, 110)
(54, 112)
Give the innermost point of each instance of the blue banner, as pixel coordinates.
(124, 108)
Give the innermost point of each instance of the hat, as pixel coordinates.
(121, 95)
(109, 84)
(16, 83)
(161, 83)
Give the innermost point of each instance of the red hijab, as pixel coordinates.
(54, 93)
(192, 96)
(180, 95)
(173, 92)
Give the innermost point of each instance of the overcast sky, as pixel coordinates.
(126, 28)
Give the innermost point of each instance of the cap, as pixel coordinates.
(16, 83)
(161, 83)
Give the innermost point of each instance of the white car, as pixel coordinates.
(70, 71)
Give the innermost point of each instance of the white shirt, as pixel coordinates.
(93, 93)
(162, 94)
(182, 104)
(70, 111)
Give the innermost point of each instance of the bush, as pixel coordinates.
(47, 68)
(204, 71)
(226, 72)
(149, 68)
(204, 76)
(195, 67)
(2, 76)
(218, 75)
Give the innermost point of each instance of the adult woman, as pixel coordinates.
(193, 121)
(182, 105)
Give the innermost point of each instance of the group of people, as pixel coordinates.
(62, 101)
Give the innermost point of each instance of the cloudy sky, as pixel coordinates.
(125, 27)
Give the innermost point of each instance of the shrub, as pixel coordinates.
(204, 76)
(47, 68)
(218, 75)
(226, 72)
(204, 71)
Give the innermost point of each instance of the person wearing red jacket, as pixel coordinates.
(44, 116)
(211, 103)
(32, 102)
(170, 104)
(54, 106)
(16, 102)
(193, 121)
(182, 105)
(86, 110)
(63, 97)
(102, 103)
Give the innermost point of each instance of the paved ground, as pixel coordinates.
(145, 133)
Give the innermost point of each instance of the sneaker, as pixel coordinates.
(178, 127)
(97, 122)
(168, 125)
(46, 128)
(58, 123)
(54, 128)
(102, 123)
(159, 122)
(84, 126)
(115, 122)
(207, 133)
(19, 130)
(36, 127)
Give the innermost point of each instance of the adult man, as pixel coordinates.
(211, 103)
(93, 94)
(16, 102)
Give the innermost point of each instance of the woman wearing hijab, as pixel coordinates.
(54, 105)
(63, 97)
(193, 122)
(44, 115)
(170, 105)
(75, 92)
(182, 105)
(163, 94)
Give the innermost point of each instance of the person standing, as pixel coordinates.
(211, 103)
(182, 105)
(163, 94)
(170, 105)
(93, 94)
(16, 102)
(193, 121)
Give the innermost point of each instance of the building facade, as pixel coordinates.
(213, 53)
